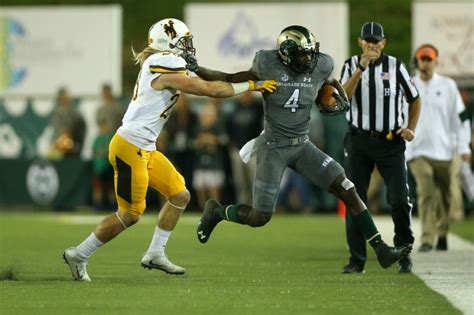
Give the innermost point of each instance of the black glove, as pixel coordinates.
(342, 106)
(191, 62)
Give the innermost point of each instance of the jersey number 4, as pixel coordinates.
(292, 102)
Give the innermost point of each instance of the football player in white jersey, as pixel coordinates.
(132, 152)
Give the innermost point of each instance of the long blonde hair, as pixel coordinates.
(140, 57)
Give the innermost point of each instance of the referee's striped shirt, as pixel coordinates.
(378, 102)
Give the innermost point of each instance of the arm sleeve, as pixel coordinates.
(329, 67)
(406, 84)
(255, 69)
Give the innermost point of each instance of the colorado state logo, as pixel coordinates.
(42, 181)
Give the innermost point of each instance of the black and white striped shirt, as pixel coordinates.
(378, 102)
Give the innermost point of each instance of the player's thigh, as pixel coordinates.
(270, 167)
(317, 166)
(130, 175)
(163, 175)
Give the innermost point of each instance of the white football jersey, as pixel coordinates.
(149, 109)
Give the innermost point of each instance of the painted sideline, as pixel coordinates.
(450, 273)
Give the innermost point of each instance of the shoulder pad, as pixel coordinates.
(165, 63)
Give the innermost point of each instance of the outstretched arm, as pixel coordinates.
(213, 75)
(216, 89)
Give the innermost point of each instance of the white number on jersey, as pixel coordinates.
(292, 102)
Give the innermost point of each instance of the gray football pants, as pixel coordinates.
(305, 158)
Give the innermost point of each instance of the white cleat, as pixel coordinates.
(154, 260)
(78, 267)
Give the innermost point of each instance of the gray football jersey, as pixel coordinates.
(287, 110)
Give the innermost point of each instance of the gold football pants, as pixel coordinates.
(135, 169)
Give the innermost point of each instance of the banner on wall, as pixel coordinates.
(450, 27)
(61, 184)
(46, 47)
(227, 36)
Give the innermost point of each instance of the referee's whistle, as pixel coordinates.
(389, 136)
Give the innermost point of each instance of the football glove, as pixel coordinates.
(263, 86)
(191, 62)
(342, 106)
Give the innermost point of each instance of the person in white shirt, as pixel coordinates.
(440, 136)
(132, 151)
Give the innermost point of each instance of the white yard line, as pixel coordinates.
(449, 273)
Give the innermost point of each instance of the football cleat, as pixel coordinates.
(353, 268)
(387, 255)
(405, 265)
(154, 260)
(78, 267)
(210, 218)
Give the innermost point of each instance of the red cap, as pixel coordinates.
(426, 51)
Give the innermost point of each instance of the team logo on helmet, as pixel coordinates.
(171, 35)
(169, 30)
(298, 49)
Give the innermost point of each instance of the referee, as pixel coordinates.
(378, 86)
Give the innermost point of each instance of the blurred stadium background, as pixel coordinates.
(79, 52)
(65, 51)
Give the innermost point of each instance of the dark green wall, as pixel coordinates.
(395, 15)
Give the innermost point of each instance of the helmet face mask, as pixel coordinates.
(185, 45)
(298, 49)
(171, 35)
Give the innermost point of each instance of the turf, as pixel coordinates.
(292, 265)
(464, 228)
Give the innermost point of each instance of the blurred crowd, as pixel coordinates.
(203, 137)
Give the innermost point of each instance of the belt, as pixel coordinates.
(383, 135)
(286, 141)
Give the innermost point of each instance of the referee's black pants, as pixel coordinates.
(362, 153)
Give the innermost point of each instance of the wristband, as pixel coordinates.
(240, 87)
(360, 67)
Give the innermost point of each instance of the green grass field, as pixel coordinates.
(464, 229)
(292, 265)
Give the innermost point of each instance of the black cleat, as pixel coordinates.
(404, 265)
(387, 255)
(442, 243)
(210, 218)
(353, 268)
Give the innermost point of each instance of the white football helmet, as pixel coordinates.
(171, 35)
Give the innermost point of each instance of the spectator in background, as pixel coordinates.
(108, 119)
(110, 111)
(181, 131)
(440, 134)
(103, 174)
(243, 124)
(209, 176)
(69, 128)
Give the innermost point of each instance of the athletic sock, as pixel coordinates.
(366, 225)
(88, 247)
(230, 213)
(159, 240)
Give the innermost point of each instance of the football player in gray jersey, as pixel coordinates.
(300, 70)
